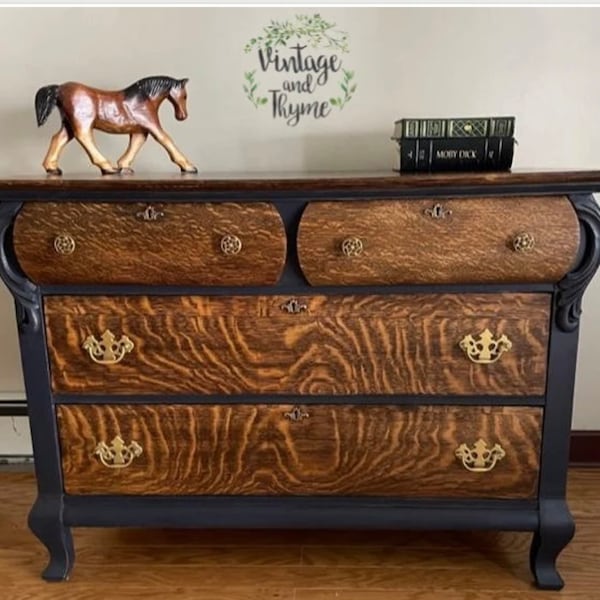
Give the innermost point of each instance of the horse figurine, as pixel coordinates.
(133, 110)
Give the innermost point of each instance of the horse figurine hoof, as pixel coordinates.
(54, 171)
(126, 171)
(133, 110)
(189, 170)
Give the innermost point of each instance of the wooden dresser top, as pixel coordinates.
(388, 181)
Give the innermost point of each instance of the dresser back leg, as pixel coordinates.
(45, 521)
(555, 532)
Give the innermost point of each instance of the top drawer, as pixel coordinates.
(159, 244)
(479, 240)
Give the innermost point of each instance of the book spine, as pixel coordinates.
(454, 128)
(456, 154)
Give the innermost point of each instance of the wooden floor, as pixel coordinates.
(118, 564)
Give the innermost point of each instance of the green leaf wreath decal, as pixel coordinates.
(306, 51)
(250, 86)
(348, 87)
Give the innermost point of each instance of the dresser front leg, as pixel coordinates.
(45, 521)
(555, 532)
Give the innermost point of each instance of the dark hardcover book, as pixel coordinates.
(456, 154)
(463, 127)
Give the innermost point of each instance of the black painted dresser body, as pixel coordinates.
(327, 352)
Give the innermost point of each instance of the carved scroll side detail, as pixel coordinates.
(24, 291)
(573, 285)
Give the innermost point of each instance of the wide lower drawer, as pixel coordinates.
(468, 240)
(160, 244)
(471, 344)
(304, 450)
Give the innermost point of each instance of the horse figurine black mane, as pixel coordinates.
(133, 110)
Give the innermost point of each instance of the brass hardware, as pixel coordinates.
(480, 458)
(437, 211)
(486, 349)
(296, 414)
(117, 455)
(64, 244)
(294, 306)
(523, 242)
(107, 351)
(352, 246)
(231, 244)
(150, 214)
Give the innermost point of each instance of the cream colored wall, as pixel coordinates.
(537, 63)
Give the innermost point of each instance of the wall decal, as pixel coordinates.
(299, 69)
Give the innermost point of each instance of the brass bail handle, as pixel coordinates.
(480, 458)
(117, 454)
(485, 349)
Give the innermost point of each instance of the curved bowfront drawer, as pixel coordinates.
(427, 451)
(479, 240)
(158, 244)
(471, 344)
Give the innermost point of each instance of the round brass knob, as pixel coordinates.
(523, 242)
(231, 244)
(352, 246)
(64, 244)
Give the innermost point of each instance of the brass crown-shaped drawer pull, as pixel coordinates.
(118, 455)
(64, 244)
(480, 458)
(486, 349)
(109, 350)
(231, 244)
(352, 246)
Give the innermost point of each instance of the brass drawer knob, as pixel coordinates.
(486, 349)
(118, 455)
(150, 214)
(523, 242)
(64, 244)
(480, 458)
(231, 244)
(109, 350)
(296, 414)
(352, 246)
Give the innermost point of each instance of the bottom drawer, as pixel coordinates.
(422, 451)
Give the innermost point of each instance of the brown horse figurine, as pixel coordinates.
(133, 110)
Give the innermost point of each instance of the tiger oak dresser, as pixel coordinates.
(389, 352)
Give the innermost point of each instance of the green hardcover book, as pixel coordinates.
(462, 127)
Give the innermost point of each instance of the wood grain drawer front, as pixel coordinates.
(334, 345)
(461, 241)
(159, 244)
(257, 450)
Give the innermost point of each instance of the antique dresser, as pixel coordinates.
(373, 351)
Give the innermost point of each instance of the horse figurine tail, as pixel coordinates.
(45, 101)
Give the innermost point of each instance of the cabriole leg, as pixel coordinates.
(556, 531)
(45, 521)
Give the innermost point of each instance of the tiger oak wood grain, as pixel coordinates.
(403, 245)
(113, 246)
(255, 450)
(396, 344)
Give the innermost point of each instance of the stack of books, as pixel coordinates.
(462, 144)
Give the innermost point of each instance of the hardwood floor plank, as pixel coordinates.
(295, 565)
